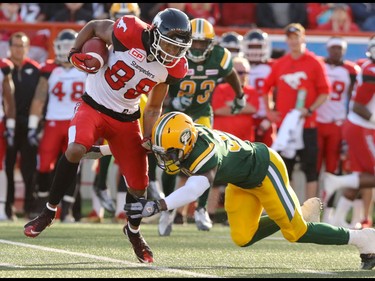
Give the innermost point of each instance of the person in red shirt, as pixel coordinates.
(340, 20)
(240, 124)
(299, 71)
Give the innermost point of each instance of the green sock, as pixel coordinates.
(266, 228)
(168, 182)
(325, 234)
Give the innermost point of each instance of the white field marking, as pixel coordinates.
(316, 272)
(176, 271)
(10, 265)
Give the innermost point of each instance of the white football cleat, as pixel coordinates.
(166, 222)
(312, 209)
(202, 219)
(364, 240)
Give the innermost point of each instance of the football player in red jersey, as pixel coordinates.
(358, 132)
(62, 86)
(256, 47)
(143, 59)
(8, 110)
(299, 71)
(331, 115)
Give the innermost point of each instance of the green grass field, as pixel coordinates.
(101, 251)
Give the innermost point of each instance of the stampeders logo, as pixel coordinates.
(137, 55)
(122, 24)
(294, 79)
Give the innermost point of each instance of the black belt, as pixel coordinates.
(115, 115)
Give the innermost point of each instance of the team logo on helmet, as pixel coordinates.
(185, 137)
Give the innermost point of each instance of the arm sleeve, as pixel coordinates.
(194, 188)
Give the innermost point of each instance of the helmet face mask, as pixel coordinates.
(63, 43)
(172, 36)
(256, 46)
(203, 35)
(173, 138)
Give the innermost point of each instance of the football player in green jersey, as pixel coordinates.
(256, 178)
(208, 63)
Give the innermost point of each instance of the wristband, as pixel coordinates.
(33, 122)
(309, 111)
(372, 118)
(10, 123)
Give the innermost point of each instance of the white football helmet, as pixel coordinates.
(63, 43)
(233, 42)
(256, 46)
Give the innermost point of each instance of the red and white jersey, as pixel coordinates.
(258, 73)
(65, 88)
(364, 94)
(5, 66)
(118, 85)
(341, 77)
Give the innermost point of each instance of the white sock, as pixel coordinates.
(342, 209)
(350, 180)
(135, 231)
(99, 210)
(120, 202)
(50, 208)
(357, 214)
(328, 214)
(3, 192)
(354, 237)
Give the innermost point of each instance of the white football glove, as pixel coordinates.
(182, 103)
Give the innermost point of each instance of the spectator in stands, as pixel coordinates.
(301, 85)
(73, 12)
(237, 14)
(318, 13)
(49, 10)
(340, 20)
(149, 10)
(208, 11)
(9, 12)
(25, 75)
(364, 15)
(279, 15)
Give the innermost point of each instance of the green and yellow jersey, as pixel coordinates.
(200, 82)
(239, 162)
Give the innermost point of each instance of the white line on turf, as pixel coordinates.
(101, 258)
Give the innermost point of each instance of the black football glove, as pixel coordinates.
(142, 209)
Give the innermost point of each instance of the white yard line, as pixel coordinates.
(127, 263)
